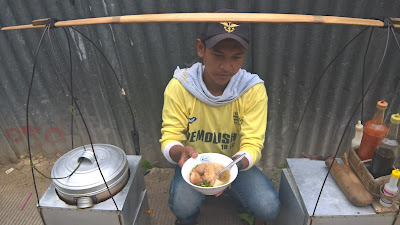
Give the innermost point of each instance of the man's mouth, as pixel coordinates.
(224, 75)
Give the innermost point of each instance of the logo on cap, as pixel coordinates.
(229, 26)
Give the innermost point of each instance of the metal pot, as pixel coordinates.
(86, 186)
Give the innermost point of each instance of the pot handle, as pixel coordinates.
(87, 156)
(84, 202)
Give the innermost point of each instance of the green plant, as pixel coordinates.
(147, 166)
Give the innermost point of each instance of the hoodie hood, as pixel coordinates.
(192, 79)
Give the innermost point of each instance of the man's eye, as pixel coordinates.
(218, 55)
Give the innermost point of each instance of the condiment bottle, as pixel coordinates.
(387, 151)
(355, 143)
(390, 189)
(374, 131)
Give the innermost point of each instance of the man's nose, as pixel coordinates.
(226, 65)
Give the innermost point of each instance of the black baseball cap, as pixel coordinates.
(212, 33)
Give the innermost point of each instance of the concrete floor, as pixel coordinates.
(16, 187)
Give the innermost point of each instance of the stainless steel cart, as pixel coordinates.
(299, 189)
(131, 201)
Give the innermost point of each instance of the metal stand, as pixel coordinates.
(299, 189)
(131, 200)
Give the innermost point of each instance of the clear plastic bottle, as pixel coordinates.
(386, 153)
(390, 189)
(359, 128)
(374, 131)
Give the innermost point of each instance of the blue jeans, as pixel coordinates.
(251, 188)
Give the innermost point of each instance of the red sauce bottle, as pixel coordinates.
(374, 132)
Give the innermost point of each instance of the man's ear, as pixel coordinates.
(200, 48)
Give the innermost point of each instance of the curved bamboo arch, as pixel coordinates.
(210, 17)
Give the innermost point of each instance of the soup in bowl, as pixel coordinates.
(201, 173)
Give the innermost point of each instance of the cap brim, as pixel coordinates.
(217, 38)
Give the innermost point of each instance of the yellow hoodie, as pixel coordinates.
(230, 129)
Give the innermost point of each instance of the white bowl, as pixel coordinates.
(208, 157)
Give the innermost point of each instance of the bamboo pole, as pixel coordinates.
(213, 17)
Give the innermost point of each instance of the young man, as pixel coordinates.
(218, 107)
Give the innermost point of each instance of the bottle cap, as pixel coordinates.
(395, 118)
(396, 173)
(381, 104)
(359, 126)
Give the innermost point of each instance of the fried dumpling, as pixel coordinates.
(195, 178)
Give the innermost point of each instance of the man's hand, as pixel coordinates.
(181, 154)
(244, 163)
(187, 153)
(220, 193)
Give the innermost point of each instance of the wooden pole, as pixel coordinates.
(212, 17)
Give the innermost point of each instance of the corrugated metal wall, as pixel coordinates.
(289, 57)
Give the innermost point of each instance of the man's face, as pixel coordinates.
(222, 61)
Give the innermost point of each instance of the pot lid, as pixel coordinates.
(87, 180)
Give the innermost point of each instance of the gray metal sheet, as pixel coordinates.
(289, 57)
(142, 217)
(384, 219)
(64, 216)
(309, 176)
(292, 210)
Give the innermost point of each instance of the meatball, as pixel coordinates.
(195, 178)
(200, 168)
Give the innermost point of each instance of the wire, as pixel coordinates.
(27, 120)
(395, 38)
(56, 178)
(135, 135)
(348, 123)
(77, 106)
(73, 121)
(58, 68)
(31, 163)
(316, 86)
(71, 109)
(72, 93)
(84, 122)
(72, 90)
(398, 48)
(363, 73)
(27, 110)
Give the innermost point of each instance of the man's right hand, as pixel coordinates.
(181, 154)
